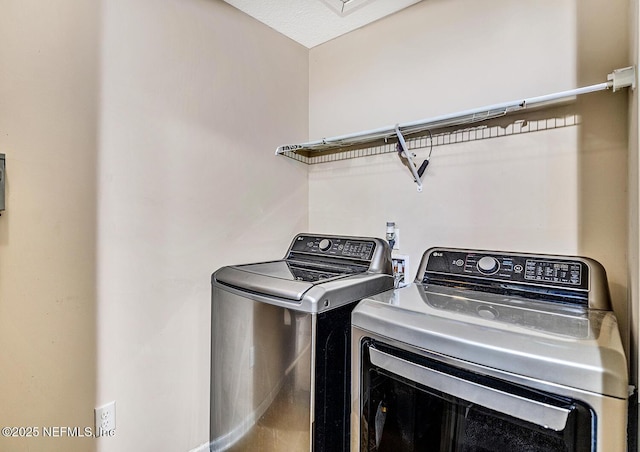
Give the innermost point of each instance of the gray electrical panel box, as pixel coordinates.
(2, 178)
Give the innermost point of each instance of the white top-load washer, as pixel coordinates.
(490, 350)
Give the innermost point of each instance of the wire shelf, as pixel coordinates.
(493, 121)
(424, 140)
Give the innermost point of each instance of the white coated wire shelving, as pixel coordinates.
(457, 135)
(470, 125)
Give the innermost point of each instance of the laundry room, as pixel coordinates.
(139, 142)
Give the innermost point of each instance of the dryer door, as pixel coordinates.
(411, 403)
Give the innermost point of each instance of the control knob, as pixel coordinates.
(488, 265)
(487, 312)
(324, 244)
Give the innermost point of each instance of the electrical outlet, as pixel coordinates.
(105, 417)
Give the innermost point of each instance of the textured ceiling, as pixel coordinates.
(312, 22)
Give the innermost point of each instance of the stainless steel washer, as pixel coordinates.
(280, 344)
(490, 351)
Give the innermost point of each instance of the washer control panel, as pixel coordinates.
(334, 246)
(498, 267)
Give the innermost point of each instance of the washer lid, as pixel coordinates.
(278, 278)
(577, 348)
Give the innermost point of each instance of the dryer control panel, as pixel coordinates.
(566, 279)
(494, 266)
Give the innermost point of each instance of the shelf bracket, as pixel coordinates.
(623, 78)
(404, 152)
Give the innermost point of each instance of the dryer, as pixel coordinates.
(490, 350)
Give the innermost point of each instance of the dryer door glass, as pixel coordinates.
(413, 403)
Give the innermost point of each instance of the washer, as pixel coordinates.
(280, 344)
(490, 350)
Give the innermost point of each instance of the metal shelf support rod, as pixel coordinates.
(619, 78)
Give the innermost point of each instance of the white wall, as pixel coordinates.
(195, 98)
(48, 131)
(559, 191)
(140, 139)
(634, 198)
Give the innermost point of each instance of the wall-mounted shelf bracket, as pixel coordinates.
(623, 78)
(404, 152)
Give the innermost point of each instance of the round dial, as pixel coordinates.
(324, 244)
(488, 265)
(487, 312)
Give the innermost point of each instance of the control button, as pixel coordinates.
(488, 265)
(310, 244)
(518, 268)
(459, 262)
(487, 312)
(325, 244)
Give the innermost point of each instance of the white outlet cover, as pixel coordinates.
(105, 417)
